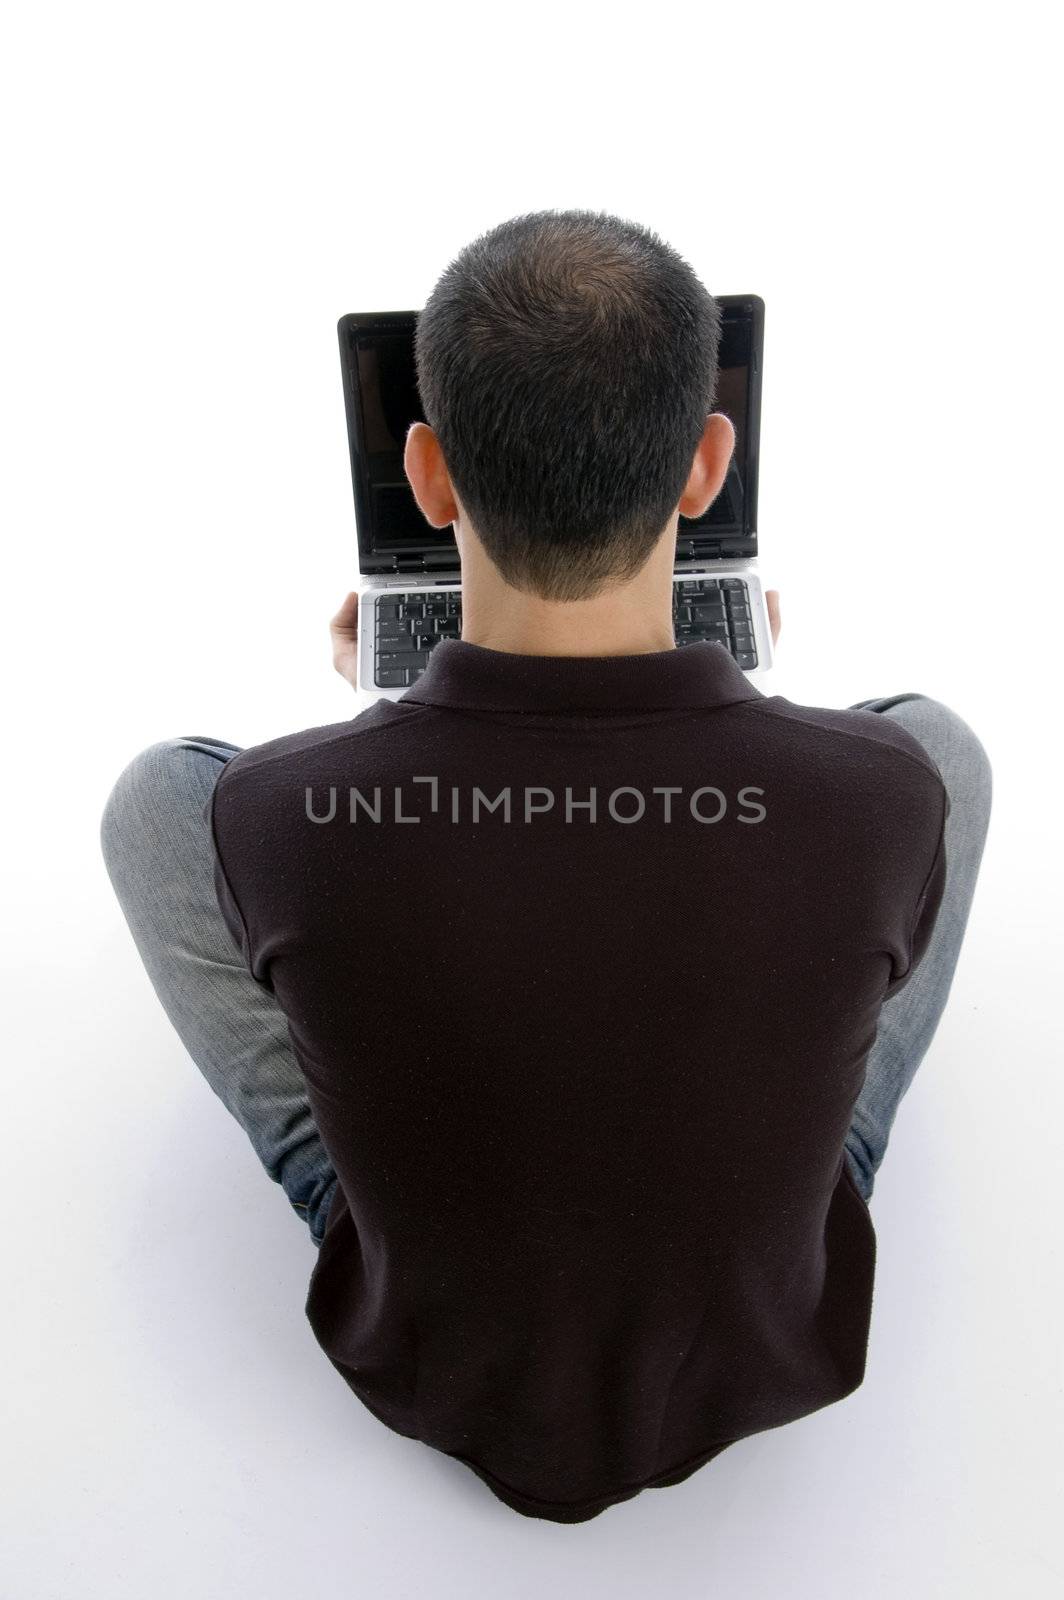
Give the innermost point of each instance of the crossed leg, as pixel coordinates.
(158, 852)
(908, 1020)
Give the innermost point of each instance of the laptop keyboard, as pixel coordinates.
(717, 609)
(409, 625)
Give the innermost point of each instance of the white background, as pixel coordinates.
(192, 196)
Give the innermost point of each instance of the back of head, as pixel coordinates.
(567, 361)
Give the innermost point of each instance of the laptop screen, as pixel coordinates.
(381, 396)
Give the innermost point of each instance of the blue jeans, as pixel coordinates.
(159, 856)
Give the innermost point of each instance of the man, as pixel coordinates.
(577, 988)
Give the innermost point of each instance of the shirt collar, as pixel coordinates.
(472, 677)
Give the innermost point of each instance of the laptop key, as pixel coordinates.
(392, 679)
(746, 659)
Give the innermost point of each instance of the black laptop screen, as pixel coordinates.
(382, 401)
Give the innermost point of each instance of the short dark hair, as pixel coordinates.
(567, 362)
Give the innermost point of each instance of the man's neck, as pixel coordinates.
(576, 628)
(633, 618)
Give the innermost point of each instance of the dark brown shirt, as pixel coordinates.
(585, 1078)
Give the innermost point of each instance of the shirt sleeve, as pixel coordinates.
(928, 905)
(228, 904)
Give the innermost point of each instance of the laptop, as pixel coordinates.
(410, 594)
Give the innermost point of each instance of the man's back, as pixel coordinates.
(585, 1076)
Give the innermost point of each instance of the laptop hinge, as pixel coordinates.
(689, 547)
(424, 561)
(692, 547)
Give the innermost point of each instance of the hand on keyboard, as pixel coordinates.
(344, 632)
(772, 602)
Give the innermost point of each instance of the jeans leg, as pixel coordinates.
(909, 1018)
(159, 855)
